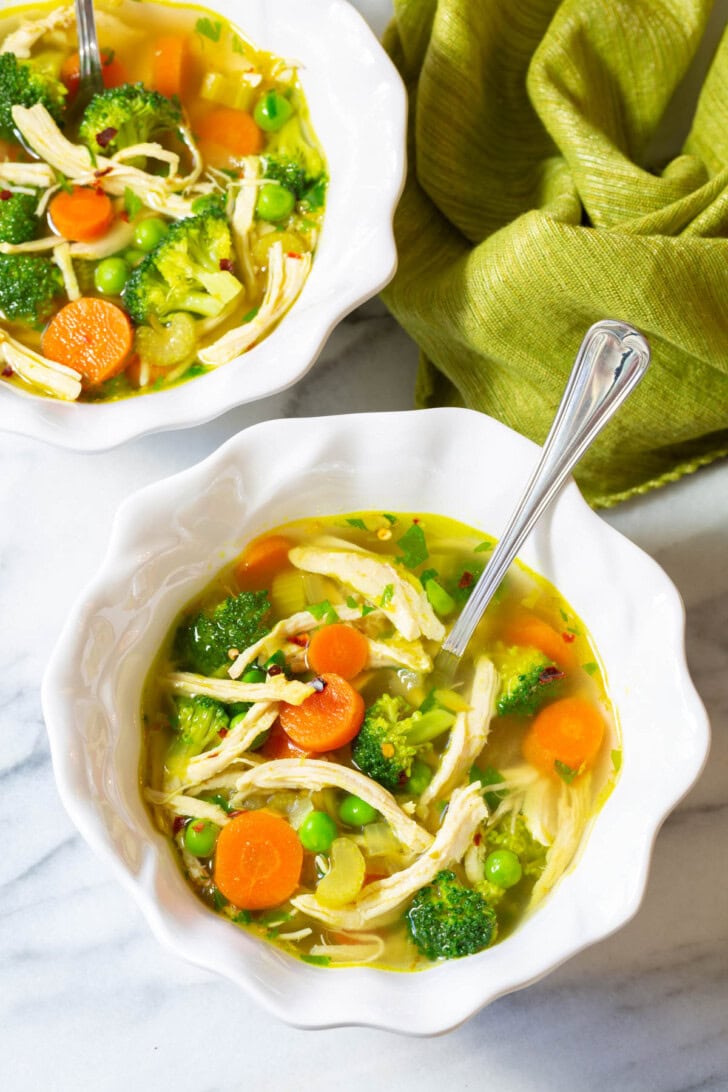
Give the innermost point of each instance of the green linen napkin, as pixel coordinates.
(536, 203)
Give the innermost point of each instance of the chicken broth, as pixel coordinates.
(171, 226)
(316, 788)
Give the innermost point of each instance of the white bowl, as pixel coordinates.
(169, 540)
(358, 108)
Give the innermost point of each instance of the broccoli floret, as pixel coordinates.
(188, 271)
(512, 834)
(24, 84)
(447, 920)
(390, 737)
(290, 145)
(29, 286)
(527, 678)
(292, 174)
(199, 722)
(18, 221)
(202, 642)
(118, 117)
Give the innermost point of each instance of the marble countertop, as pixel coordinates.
(89, 1000)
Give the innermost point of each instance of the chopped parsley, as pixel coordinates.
(387, 595)
(413, 546)
(323, 611)
(358, 523)
(208, 29)
(566, 773)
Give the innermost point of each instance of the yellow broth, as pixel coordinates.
(458, 553)
(222, 71)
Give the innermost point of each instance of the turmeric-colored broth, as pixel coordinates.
(458, 554)
(223, 78)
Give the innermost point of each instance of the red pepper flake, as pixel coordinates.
(300, 639)
(124, 215)
(101, 172)
(232, 814)
(5, 195)
(568, 637)
(199, 826)
(7, 371)
(465, 580)
(222, 732)
(292, 254)
(477, 839)
(178, 824)
(415, 520)
(549, 675)
(105, 137)
(226, 265)
(275, 669)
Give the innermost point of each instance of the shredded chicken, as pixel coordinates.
(364, 948)
(40, 372)
(242, 221)
(286, 275)
(21, 40)
(32, 246)
(118, 237)
(467, 736)
(37, 175)
(573, 810)
(276, 688)
(407, 606)
(62, 258)
(179, 804)
(313, 774)
(259, 718)
(379, 900)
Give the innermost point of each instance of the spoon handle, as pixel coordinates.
(91, 80)
(611, 361)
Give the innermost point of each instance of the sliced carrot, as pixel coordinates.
(328, 719)
(280, 745)
(225, 133)
(82, 214)
(91, 335)
(169, 62)
(112, 72)
(261, 560)
(569, 731)
(338, 648)
(533, 632)
(258, 860)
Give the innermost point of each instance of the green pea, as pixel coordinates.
(317, 832)
(272, 111)
(355, 812)
(419, 778)
(134, 257)
(254, 675)
(149, 233)
(110, 276)
(503, 868)
(216, 798)
(200, 837)
(275, 202)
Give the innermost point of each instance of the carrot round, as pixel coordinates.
(91, 335)
(81, 214)
(280, 745)
(112, 72)
(261, 560)
(338, 648)
(569, 731)
(328, 719)
(169, 62)
(258, 860)
(533, 632)
(232, 132)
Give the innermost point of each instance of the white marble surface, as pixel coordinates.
(89, 1001)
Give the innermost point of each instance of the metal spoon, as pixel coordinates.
(611, 361)
(91, 80)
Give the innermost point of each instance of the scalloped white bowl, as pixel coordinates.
(170, 539)
(358, 108)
